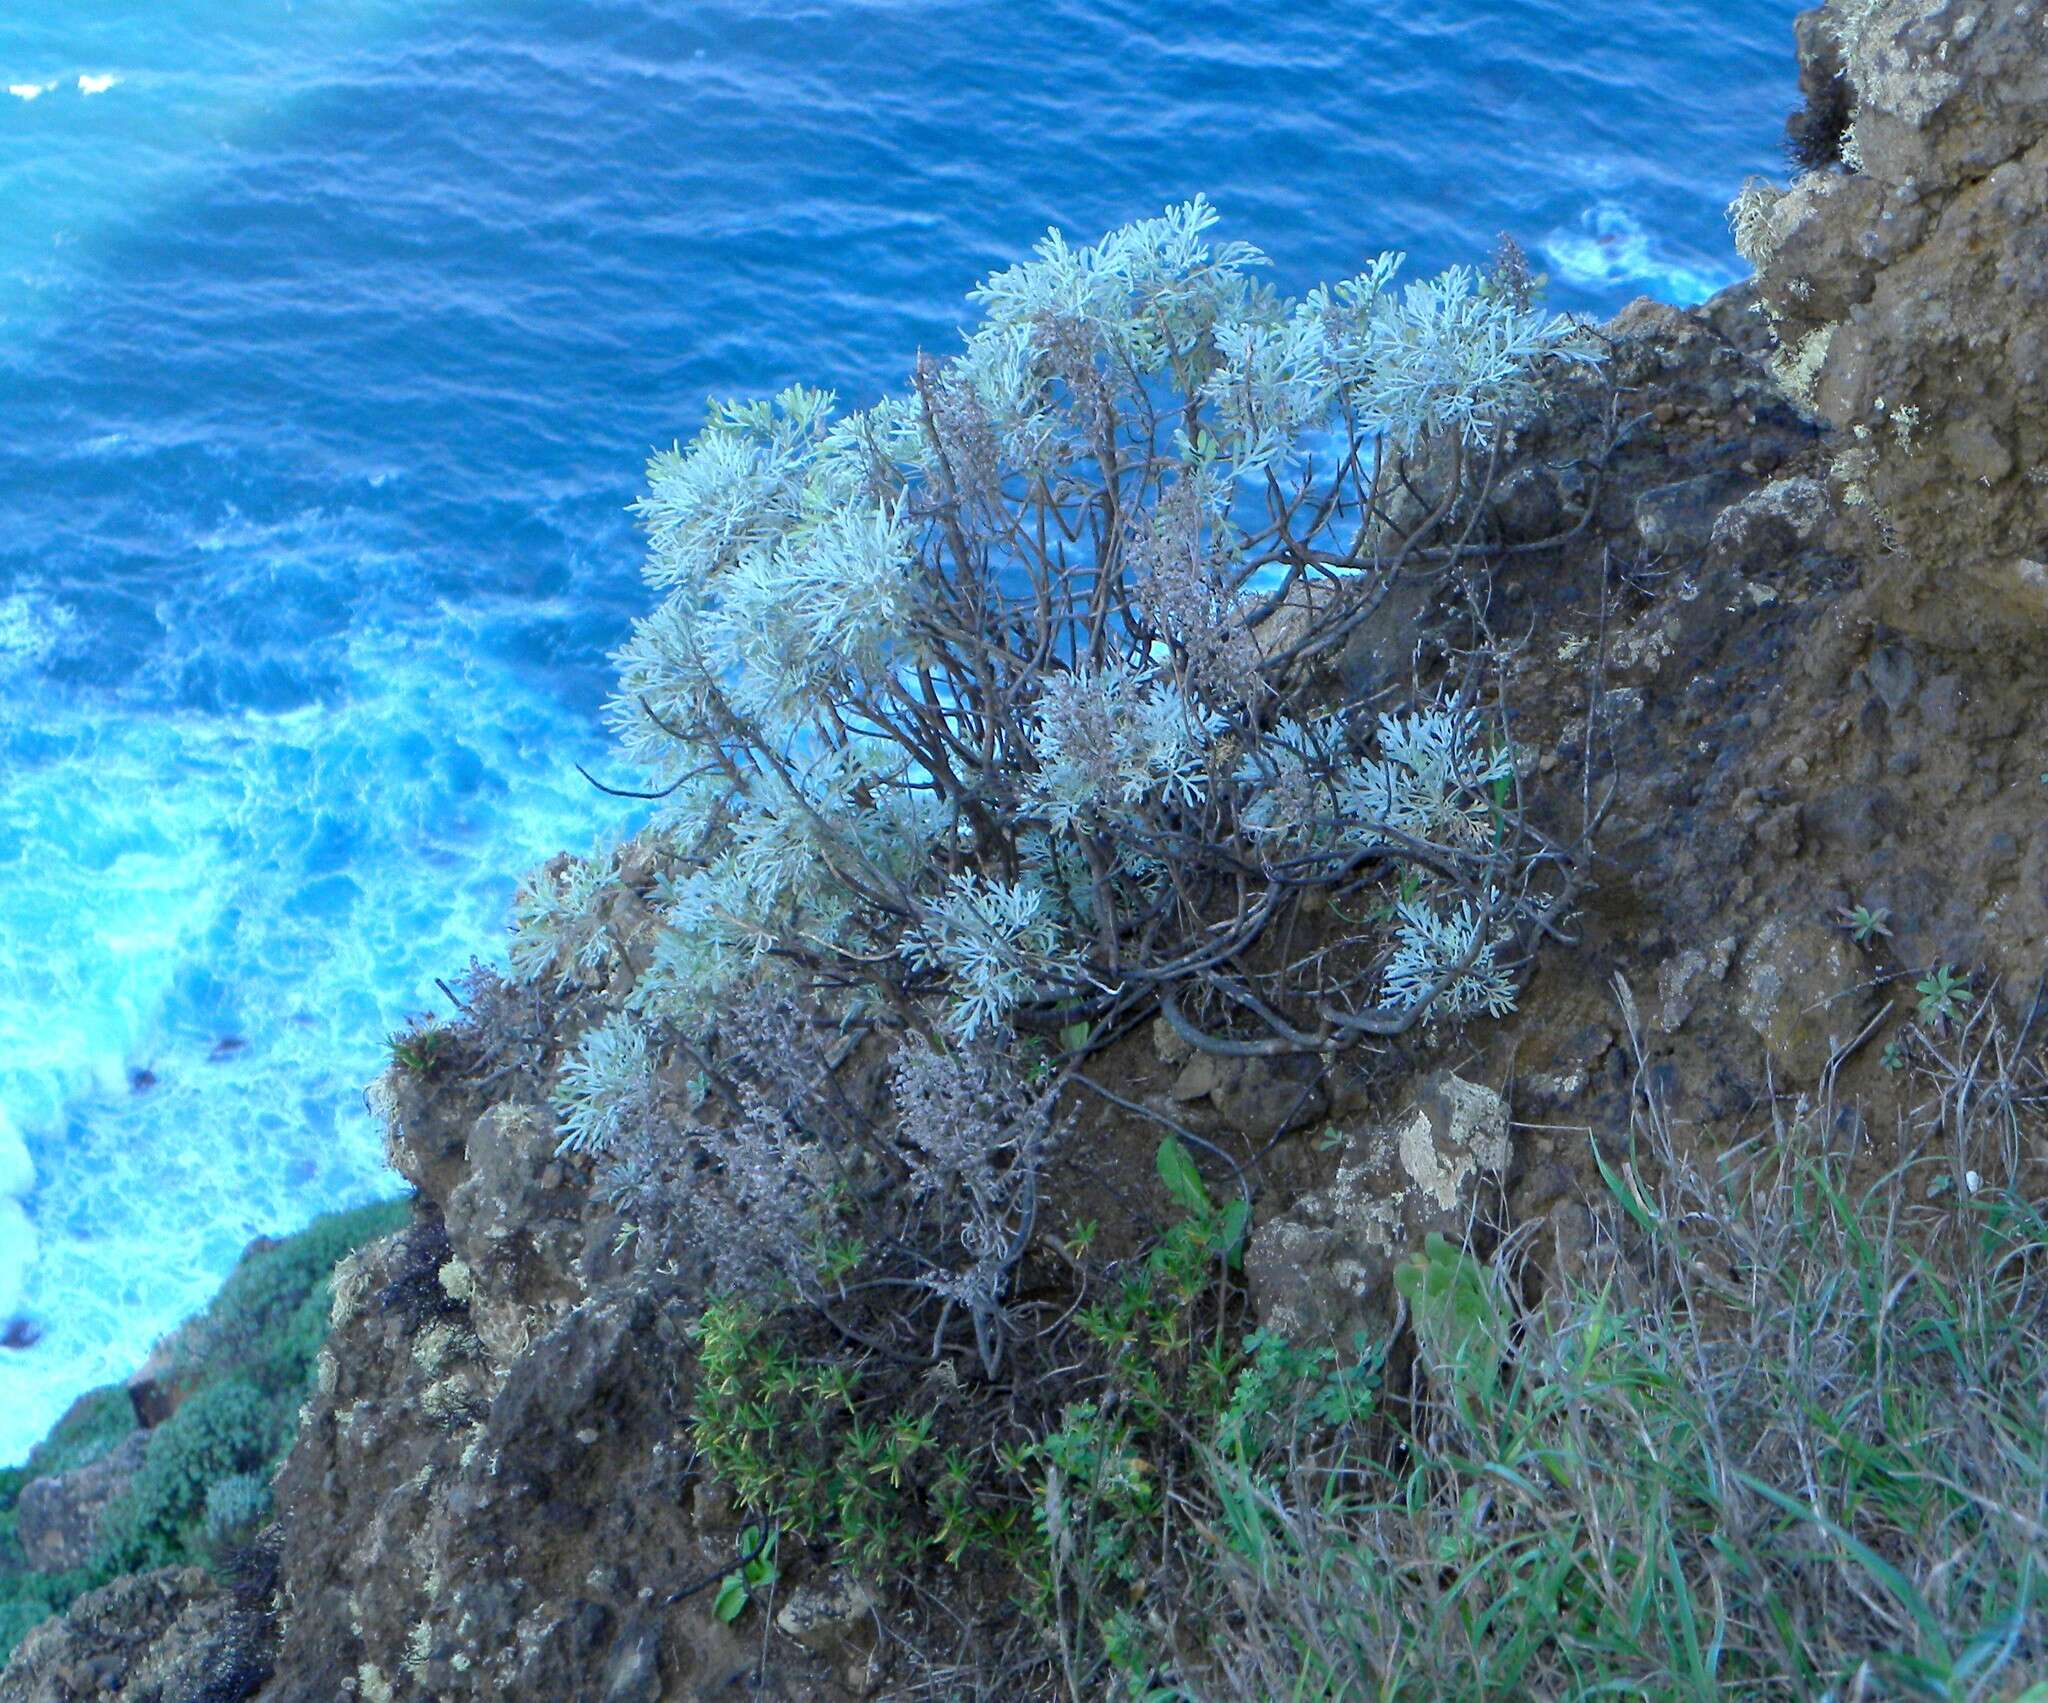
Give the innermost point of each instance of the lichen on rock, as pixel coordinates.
(1909, 291)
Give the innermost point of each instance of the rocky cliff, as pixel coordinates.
(1774, 596)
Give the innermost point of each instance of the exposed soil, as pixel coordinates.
(1714, 647)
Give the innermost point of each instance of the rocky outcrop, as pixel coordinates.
(492, 1495)
(59, 1516)
(1324, 1269)
(172, 1636)
(1908, 285)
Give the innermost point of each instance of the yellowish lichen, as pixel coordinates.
(1749, 218)
(1885, 72)
(430, 1350)
(447, 1400)
(349, 1284)
(1798, 368)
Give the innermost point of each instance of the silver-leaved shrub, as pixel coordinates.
(1004, 706)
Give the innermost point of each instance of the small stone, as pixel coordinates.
(822, 1617)
(634, 1673)
(1168, 1042)
(1324, 1269)
(1892, 676)
(1805, 994)
(1197, 1078)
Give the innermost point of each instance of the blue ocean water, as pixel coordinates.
(333, 337)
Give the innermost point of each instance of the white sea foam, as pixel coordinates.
(96, 85)
(31, 627)
(210, 924)
(17, 1234)
(1607, 248)
(29, 91)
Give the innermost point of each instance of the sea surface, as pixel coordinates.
(334, 335)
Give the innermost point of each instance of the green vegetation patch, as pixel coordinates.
(94, 1426)
(1785, 1443)
(244, 1367)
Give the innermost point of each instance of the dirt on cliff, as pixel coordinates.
(1763, 598)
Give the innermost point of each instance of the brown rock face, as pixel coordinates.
(1325, 1269)
(153, 1390)
(165, 1637)
(60, 1516)
(1909, 291)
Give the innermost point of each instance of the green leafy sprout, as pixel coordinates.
(754, 1574)
(1944, 995)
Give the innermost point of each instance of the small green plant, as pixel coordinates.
(1075, 1511)
(422, 1047)
(755, 1573)
(1944, 995)
(1894, 1056)
(1080, 1237)
(1109, 1483)
(1220, 1231)
(814, 1443)
(1457, 1320)
(1866, 923)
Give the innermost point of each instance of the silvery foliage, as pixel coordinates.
(1451, 356)
(1432, 777)
(1431, 945)
(944, 694)
(997, 941)
(1431, 780)
(235, 1504)
(741, 1195)
(605, 1086)
(556, 920)
(1109, 738)
(749, 1195)
(1183, 595)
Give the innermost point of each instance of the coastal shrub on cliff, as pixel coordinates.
(982, 726)
(998, 717)
(989, 701)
